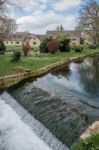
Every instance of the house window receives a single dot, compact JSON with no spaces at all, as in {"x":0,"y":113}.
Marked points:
{"x":34,"y":38}
{"x":74,"y":39}
{"x":17,"y":42}
{"x":6,"y":42}
{"x":11,"y":42}
{"x":34,"y":43}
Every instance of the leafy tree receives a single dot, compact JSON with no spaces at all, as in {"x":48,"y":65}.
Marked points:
{"x":43,"y":46}
{"x":65,"y":45}
{"x":2,"y":47}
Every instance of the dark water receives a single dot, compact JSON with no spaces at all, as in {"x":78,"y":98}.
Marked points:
{"x":65,"y":101}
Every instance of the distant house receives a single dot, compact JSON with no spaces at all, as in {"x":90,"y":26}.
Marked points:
{"x":73,"y":35}
{"x":20,"y":38}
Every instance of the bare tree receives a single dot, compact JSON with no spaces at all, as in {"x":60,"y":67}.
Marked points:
{"x":89,"y":19}
{"x":8,"y":27}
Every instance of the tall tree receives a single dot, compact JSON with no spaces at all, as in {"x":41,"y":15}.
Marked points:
{"x":89,"y":19}
{"x":8,"y":25}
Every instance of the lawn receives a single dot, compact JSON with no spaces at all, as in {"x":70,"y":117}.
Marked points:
{"x":13,"y":47}
{"x":18,"y":48}
{"x":35,"y":62}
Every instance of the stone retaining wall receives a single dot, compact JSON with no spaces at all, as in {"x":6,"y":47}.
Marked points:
{"x":92,"y":130}
{"x":10,"y":80}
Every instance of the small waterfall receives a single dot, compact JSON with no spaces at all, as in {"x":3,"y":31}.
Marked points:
{"x":15,"y":134}
{"x":34,"y":124}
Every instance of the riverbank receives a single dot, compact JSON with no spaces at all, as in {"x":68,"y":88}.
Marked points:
{"x":89,"y":139}
{"x":37,"y":67}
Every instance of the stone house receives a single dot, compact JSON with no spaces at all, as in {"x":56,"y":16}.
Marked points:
{"x":20,"y":38}
{"x":73,"y":35}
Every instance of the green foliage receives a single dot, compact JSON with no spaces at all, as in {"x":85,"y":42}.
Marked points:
{"x":2,"y":47}
{"x":91,"y":143}
{"x":94,"y":46}
{"x":2,"y":37}
{"x":16,"y":56}
{"x":65,"y":45}
{"x":81,"y":41}
{"x":78,"y":48}
{"x":60,"y":37}
{"x":43,"y":46}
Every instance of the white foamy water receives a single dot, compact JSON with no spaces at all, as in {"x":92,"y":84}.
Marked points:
{"x":15,"y":134}
{"x":33,"y":127}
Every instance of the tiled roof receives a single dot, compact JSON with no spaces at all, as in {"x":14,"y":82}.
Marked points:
{"x":71,"y":33}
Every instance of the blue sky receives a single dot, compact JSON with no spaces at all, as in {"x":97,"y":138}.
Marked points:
{"x":38,"y":16}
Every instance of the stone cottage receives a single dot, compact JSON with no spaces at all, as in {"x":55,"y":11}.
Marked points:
{"x":20,"y":38}
{"x":73,"y":35}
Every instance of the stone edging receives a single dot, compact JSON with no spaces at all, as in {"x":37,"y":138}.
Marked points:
{"x":92,"y":130}
{"x":10,"y":80}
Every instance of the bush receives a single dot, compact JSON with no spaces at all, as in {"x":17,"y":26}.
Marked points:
{"x":91,"y":143}
{"x":2,"y":47}
{"x":78,"y":49}
{"x":16,"y":56}
{"x":26,"y":48}
{"x":65,"y":45}
{"x":93,"y":46}
{"x":43,"y":46}
{"x":53,"y":46}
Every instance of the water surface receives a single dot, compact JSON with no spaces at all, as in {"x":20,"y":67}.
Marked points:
{"x":65,"y":101}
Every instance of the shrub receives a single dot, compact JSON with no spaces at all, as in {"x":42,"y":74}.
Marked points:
{"x":65,"y":45}
{"x":82,"y":41}
{"x":91,"y":143}
{"x":2,"y":47}
{"x":26,"y":48}
{"x":53,"y":46}
{"x":93,"y":46}
{"x":78,"y":48}
{"x":16,"y":56}
{"x":43,"y":46}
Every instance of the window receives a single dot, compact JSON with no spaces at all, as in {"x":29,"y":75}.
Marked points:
{"x":6,"y":42}
{"x":17,"y":42}
{"x":34,"y":43}
{"x":34,"y":38}
{"x":74,"y":39}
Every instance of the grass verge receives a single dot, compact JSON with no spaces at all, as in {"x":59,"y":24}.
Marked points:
{"x":8,"y":67}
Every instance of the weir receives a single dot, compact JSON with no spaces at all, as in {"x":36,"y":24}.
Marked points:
{"x":37,"y":140}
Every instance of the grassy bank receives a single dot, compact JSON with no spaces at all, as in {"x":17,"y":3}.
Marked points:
{"x":18,"y":48}
{"x":35,"y":62}
{"x":91,"y":143}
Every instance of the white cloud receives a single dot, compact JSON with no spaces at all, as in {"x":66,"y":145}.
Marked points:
{"x":42,"y":15}
{"x":61,"y":5}
{"x":40,"y":21}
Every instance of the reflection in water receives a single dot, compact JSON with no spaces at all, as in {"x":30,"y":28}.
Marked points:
{"x":81,"y":77}
{"x":89,"y":76}
{"x":54,"y":101}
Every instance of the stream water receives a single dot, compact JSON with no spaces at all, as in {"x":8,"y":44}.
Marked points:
{"x":66,"y":101}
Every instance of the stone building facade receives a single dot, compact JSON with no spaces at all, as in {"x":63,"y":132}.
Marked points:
{"x":20,"y":38}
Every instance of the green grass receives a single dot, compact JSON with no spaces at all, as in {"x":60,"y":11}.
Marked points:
{"x":18,"y":48}
{"x":91,"y":143}
{"x":13,"y":47}
{"x":8,"y":67}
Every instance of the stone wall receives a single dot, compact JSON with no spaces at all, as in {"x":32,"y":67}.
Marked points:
{"x":10,"y":80}
{"x":92,"y":130}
